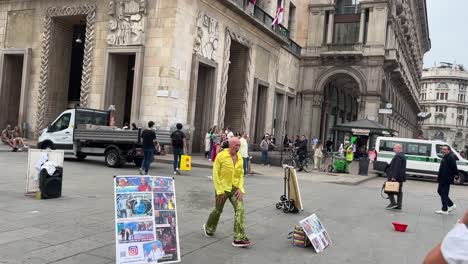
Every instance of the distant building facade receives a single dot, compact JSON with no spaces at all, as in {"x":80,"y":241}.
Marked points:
{"x":443,"y":94}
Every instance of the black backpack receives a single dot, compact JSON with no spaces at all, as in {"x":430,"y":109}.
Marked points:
{"x":177,"y":138}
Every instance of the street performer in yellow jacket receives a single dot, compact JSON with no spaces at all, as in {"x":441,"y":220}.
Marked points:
{"x":228,"y":180}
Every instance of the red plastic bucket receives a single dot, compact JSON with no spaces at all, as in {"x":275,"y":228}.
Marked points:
{"x":400,"y":227}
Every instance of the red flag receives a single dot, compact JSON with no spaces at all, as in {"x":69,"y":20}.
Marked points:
{"x":251,"y":6}
{"x":279,"y":14}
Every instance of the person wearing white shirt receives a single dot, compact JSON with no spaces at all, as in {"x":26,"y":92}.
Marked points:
{"x":155,"y":253}
{"x":454,"y":247}
{"x":244,"y":151}
{"x":229,"y":133}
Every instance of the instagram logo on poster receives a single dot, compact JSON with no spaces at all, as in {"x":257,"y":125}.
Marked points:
{"x":133,"y":251}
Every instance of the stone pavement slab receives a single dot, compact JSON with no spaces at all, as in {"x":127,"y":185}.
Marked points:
{"x":79,"y":227}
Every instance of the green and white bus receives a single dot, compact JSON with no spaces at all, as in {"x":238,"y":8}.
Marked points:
{"x":422,"y":157}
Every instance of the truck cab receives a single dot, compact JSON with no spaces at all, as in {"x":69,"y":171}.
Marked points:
{"x":60,"y":133}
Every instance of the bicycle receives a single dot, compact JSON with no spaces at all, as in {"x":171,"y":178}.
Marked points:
{"x":294,"y":160}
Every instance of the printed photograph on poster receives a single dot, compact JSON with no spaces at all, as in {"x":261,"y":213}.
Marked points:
{"x":135,"y":231}
{"x":41,"y":159}
{"x":316,"y":232}
{"x":167,"y":218}
{"x":162,"y":184}
{"x":168,"y":238}
{"x":153,"y":251}
{"x":134,"y":205}
{"x":132,"y":184}
{"x":131,"y":253}
{"x":164,"y":201}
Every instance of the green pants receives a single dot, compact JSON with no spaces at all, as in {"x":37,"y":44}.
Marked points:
{"x":348,"y":165}
{"x":239,"y":225}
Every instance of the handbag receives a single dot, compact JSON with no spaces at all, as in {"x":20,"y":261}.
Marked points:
{"x":391,"y":187}
{"x":299,"y":237}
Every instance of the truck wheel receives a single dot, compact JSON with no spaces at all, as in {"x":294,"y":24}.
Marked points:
{"x":138,"y":162}
{"x":113,"y":158}
{"x":81,"y":156}
{"x":460,"y":179}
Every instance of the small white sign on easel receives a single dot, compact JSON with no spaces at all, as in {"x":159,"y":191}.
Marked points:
{"x":37,"y":158}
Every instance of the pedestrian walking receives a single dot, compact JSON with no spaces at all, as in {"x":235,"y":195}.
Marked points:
{"x":244,"y":151}
{"x":349,"y":156}
{"x":207,"y":143}
{"x":264,"y":146}
{"x":216,"y":142}
{"x":149,"y":140}
{"x":179,"y":146}
{"x":397,"y":172}
{"x":453,"y":248}
{"x":447,"y":172}
{"x":318,"y":155}
{"x":329,"y":145}
{"x":302,"y":151}
{"x":228,"y":181}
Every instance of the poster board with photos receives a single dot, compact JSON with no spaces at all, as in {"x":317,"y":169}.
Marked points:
{"x":294,"y":191}
{"x":36,"y":158}
{"x":316,"y":233}
{"x":146,"y":220}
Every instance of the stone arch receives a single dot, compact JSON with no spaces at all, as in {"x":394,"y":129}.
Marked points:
{"x":329,"y":74}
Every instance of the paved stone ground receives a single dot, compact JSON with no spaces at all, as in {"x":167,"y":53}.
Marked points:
{"x":79,"y":227}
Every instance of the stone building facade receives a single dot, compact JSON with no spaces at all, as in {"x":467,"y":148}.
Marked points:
{"x":443,"y":94}
{"x":359,"y":57}
{"x":213,"y":62}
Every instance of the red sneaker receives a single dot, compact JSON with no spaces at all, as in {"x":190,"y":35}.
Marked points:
{"x":242,"y":243}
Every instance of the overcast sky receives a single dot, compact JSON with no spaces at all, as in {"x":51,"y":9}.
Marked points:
{"x":448,"y":32}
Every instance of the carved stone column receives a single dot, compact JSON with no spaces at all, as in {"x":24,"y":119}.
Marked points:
{"x":331,"y":25}
{"x":362,"y":25}
{"x":229,"y":36}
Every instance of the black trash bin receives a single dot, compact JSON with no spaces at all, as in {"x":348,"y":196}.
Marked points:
{"x":363,"y":166}
{"x":51,"y":185}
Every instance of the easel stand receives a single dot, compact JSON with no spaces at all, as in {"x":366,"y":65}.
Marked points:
{"x":286,"y":203}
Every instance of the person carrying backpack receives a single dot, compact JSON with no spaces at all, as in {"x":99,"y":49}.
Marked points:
{"x":179,"y":146}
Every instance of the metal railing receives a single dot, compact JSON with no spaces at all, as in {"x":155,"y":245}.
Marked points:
{"x":264,"y":18}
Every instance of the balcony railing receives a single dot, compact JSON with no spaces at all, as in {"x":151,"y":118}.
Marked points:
{"x":264,"y":18}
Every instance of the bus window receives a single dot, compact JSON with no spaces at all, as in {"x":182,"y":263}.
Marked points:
{"x":388,"y":145}
{"x":418,"y":149}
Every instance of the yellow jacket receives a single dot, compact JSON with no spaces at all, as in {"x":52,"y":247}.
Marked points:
{"x":226,"y":174}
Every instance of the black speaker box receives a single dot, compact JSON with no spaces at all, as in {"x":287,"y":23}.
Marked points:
{"x":51,"y":185}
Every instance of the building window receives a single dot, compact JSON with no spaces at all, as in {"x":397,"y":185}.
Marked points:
{"x":461,"y":98}
{"x":442,"y":96}
{"x":460,"y":111}
{"x":346,"y":7}
{"x":292,"y":20}
{"x":442,"y":86}
{"x":441,"y":109}
{"x":462,"y":87}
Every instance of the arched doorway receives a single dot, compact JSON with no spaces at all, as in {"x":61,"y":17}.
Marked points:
{"x":340,"y":104}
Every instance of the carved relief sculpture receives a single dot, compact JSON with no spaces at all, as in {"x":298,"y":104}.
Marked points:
{"x":127,"y":23}
{"x":206,"y":41}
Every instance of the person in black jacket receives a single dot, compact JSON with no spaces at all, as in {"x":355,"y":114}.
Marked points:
{"x":397,"y":172}
{"x":302,"y":150}
{"x":447,"y":172}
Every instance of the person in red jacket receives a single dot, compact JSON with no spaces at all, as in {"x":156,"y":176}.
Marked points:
{"x":144,"y":187}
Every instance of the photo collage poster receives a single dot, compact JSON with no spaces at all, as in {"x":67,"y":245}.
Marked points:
{"x":146,"y":220}
{"x":316,"y":233}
